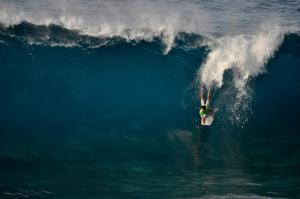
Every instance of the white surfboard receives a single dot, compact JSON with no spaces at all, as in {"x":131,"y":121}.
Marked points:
{"x":208,"y":120}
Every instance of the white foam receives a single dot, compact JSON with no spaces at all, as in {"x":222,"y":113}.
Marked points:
{"x":134,"y":20}
{"x":245,"y":54}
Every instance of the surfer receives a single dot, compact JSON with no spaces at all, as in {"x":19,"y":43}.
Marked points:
{"x":205,"y":110}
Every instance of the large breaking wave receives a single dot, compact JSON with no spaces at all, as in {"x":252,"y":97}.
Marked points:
{"x":242,"y":46}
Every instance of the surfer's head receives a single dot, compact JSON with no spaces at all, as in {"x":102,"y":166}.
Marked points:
{"x":201,"y":110}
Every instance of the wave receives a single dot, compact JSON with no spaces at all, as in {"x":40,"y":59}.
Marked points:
{"x":245,"y":55}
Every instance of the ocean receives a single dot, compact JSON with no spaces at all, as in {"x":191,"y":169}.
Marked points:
{"x":100,"y":99}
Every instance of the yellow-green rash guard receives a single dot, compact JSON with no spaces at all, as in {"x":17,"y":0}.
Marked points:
{"x":206,"y":110}
{"x":201,"y":113}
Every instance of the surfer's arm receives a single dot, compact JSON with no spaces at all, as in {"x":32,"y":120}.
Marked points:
{"x":202,"y":96}
{"x":209,"y":95}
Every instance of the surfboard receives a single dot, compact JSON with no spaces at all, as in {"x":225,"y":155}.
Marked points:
{"x":209,"y":119}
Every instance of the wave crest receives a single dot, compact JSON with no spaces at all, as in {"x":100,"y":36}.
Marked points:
{"x":128,"y":20}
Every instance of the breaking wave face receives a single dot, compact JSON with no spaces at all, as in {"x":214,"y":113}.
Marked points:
{"x":240,"y":44}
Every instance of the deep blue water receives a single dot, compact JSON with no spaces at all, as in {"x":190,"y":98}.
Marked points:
{"x":121,"y":121}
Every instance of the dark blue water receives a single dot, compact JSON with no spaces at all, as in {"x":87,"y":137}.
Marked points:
{"x":121,"y":121}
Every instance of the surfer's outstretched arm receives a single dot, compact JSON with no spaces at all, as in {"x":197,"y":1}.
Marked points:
{"x":209,"y":95}
{"x":208,"y":98}
{"x":202,"y":96}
